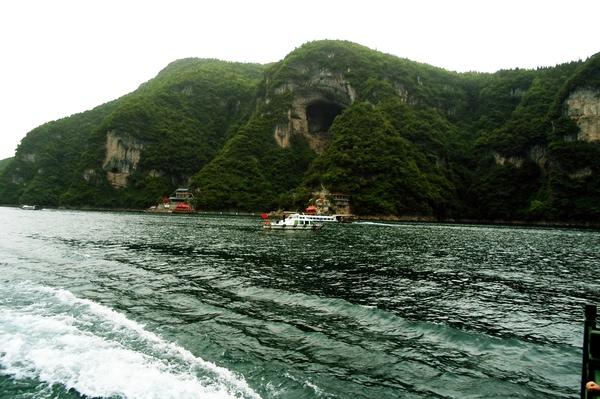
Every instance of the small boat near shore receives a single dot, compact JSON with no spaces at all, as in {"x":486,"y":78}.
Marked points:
{"x":183,"y":207}
{"x":31,"y":207}
{"x":295,"y":221}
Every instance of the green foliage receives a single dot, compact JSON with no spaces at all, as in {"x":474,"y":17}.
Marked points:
{"x":4,"y":163}
{"x":252,"y":172}
{"x":186,"y":113}
{"x":574,"y":180}
{"x":372,"y":74}
{"x":587,"y":76}
{"x":382,"y":170}
{"x":503,"y":192}
{"x":529,"y":123}
{"x":182,"y":118}
{"x":49,"y":158}
{"x":234,"y":179}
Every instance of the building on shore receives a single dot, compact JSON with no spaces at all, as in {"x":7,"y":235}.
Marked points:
{"x":324,"y":202}
{"x":181,"y":201}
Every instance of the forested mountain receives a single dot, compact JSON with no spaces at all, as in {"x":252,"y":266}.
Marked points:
{"x":129,"y":152}
{"x":401,"y":138}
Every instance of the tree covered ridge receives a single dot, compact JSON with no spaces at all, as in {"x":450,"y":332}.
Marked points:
{"x":182,"y":118}
{"x":415,"y":140}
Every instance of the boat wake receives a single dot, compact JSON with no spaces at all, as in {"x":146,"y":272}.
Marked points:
{"x":55,"y":337}
{"x":380,"y":224}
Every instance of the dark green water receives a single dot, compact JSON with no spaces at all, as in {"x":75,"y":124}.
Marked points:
{"x":147,"y":306}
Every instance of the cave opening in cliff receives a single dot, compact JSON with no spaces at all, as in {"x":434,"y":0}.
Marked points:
{"x":320,"y":115}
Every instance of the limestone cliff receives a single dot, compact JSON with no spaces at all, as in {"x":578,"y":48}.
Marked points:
{"x":500,"y":160}
{"x":123,"y":154}
{"x":318,"y":98}
{"x":583,"y":105}
{"x":537,"y":154}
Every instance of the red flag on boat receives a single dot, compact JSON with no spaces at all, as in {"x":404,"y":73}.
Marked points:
{"x":264,"y":215}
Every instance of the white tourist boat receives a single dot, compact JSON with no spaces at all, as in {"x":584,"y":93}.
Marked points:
{"x":295,"y":221}
{"x":320,"y":218}
{"x":329,"y":218}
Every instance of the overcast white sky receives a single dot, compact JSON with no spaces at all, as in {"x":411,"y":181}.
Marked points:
{"x":59,"y":57}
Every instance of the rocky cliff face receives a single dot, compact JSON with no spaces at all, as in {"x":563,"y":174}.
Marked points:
{"x":583,"y":106}
{"x":123,"y":154}
{"x":500,"y":160}
{"x":537,"y":154}
{"x":317,"y":100}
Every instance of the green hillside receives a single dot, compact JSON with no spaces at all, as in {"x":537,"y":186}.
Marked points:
{"x":400,"y":137}
{"x":181,"y":118}
{"x":50,"y":158}
{"x":4,"y":163}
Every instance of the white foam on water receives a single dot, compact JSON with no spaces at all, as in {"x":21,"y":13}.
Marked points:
{"x":40,"y":341}
{"x":381,"y":224}
{"x":306,"y":383}
{"x":314,"y":387}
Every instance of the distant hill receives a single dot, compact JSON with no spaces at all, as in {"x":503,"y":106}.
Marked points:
{"x":400,"y":137}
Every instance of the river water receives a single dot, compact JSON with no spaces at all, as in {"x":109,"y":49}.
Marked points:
{"x":126,"y":305}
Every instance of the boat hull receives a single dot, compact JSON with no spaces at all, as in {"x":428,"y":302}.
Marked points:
{"x":314,"y":226}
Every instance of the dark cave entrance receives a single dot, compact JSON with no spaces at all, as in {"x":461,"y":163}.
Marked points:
{"x":320,"y":115}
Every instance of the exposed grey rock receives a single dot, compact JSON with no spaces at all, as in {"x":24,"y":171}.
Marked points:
{"x":316,"y":101}
{"x":583,"y":106}
{"x":123,"y":153}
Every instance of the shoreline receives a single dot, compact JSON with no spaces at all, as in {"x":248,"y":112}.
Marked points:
{"x":380,"y":218}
